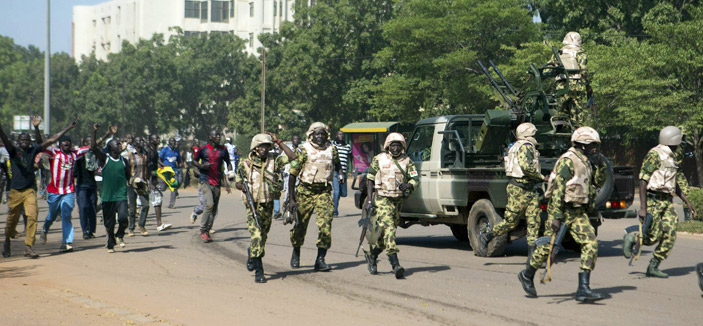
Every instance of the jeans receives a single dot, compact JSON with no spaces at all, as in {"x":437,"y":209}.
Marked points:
{"x":340,"y":190}
{"x":61,"y":204}
{"x":110,"y":209}
{"x":276,"y":206}
{"x":132,"y":205}
{"x":87,"y":208}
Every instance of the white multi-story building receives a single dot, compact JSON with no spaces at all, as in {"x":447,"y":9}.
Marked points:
{"x":103,"y":27}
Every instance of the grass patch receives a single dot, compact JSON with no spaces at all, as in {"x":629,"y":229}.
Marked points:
{"x":691,"y":226}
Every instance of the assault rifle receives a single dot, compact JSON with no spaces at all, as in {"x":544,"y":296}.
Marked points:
{"x":250,"y":199}
{"x":642,"y":231}
{"x":554,"y":245}
{"x":365,"y":223}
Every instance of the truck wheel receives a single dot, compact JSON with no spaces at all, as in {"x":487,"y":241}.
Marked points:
{"x":608,"y":186}
{"x":481,"y":217}
{"x":460,"y":232}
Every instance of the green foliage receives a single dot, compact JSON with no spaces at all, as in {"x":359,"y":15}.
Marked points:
{"x":696,"y":199}
{"x":690,"y":226}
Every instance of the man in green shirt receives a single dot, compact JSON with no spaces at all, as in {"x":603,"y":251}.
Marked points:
{"x":115,"y":173}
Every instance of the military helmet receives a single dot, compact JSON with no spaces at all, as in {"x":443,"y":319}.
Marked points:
{"x":670,"y":136}
{"x":394,"y":137}
{"x":316,"y":126}
{"x":525,"y":130}
{"x":260,"y":139}
{"x":585,"y":135}
{"x":573,"y":39}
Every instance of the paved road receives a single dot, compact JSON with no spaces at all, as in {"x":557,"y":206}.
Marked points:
{"x":172,"y":278}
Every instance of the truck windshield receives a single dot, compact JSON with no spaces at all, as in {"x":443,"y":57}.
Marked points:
{"x":420,"y":146}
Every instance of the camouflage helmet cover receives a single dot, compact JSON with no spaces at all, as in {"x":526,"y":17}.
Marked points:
{"x":670,"y":136}
{"x":260,"y":139}
{"x":585,"y":135}
{"x":394,"y":137}
{"x":314,"y":127}
{"x":525,"y":130}
{"x":572,"y":39}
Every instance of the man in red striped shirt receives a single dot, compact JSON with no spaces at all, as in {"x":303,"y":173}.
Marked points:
{"x":61,"y":197}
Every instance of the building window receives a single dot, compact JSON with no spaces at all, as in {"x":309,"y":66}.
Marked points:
{"x":203,"y":11}
{"x":251,"y":40}
{"x":192,"y":9}
{"x":220,"y":12}
{"x":280,"y":9}
{"x":275,"y":6}
{"x":231,"y":8}
{"x":251,"y":9}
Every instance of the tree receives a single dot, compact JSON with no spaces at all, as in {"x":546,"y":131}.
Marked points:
{"x":433,"y":51}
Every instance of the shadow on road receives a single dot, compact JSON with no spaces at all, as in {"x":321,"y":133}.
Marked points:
{"x":145,"y":249}
{"x":607,"y":294}
{"x":434,"y":242}
{"x":679,"y":271}
{"x":16,"y":271}
{"x":428,"y":269}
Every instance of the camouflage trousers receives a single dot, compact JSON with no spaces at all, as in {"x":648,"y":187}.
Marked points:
{"x":663,"y":228}
{"x":316,"y":199}
{"x":574,"y":103}
{"x":521,"y":202}
{"x":581,"y":230}
{"x":259,"y":235}
{"x":387,"y":218}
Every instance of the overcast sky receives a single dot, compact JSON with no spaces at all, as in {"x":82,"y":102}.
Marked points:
{"x":25,"y":22}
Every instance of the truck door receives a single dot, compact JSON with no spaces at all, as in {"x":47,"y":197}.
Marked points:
{"x":423,"y":200}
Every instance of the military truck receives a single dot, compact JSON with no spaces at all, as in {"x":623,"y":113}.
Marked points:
{"x":462,"y":171}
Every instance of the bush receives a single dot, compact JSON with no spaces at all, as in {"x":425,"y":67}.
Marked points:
{"x":696,"y":198}
{"x":690,"y":227}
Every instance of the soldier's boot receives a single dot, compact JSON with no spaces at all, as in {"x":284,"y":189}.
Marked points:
{"x":653,"y":269}
{"x":584,"y":292}
{"x":486,"y":238}
{"x":527,"y":277}
{"x":250,"y":261}
{"x":28,"y":252}
{"x":530,"y":252}
{"x":628,"y":243}
{"x":295,"y":258}
{"x":258,"y":270}
{"x":372,"y":259}
{"x":398,"y":270}
{"x":320,"y":264}
{"x":699,"y":272}
{"x":6,"y":248}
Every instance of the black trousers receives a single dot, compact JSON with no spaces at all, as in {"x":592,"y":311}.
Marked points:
{"x":113,"y":210}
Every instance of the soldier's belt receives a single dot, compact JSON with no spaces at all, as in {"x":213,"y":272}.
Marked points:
{"x":519,"y":184}
{"x":659,"y":195}
{"x":316,"y":187}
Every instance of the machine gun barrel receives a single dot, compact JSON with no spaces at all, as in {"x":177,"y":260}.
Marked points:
{"x":495,"y":85}
{"x":505,"y":81}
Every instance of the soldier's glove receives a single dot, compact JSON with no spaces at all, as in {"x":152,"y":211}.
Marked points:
{"x":405,"y":186}
{"x":555,"y":225}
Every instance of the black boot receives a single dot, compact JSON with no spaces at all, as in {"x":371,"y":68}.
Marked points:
{"x":371,"y":260}
{"x":526,"y":277}
{"x":486,"y":238}
{"x":250,"y":261}
{"x":530,"y":252}
{"x":259,"y":270}
{"x":6,"y":248}
{"x":320,"y":264}
{"x":295,"y":258}
{"x":398,"y":270}
{"x":584,"y":292}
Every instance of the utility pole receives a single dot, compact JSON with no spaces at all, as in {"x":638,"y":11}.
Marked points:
{"x":263,"y":87}
{"x":47,"y":69}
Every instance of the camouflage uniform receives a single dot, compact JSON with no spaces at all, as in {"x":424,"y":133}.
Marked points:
{"x":576,"y":218}
{"x":573,"y":102}
{"x":523,"y":197}
{"x":313,"y":197}
{"x":388,"y":208}
{"x":264,"y":202}
{"x":660,"y":205}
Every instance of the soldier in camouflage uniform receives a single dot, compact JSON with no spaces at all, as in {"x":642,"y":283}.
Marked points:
{"x":522,"y":165}
{"x":262,"y":171}
{"x":660,"y":179}
{"x":573,"y":102}
{"x":315,"y":165}
{"x":393,"y":175}
{"x":571,"y":191}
